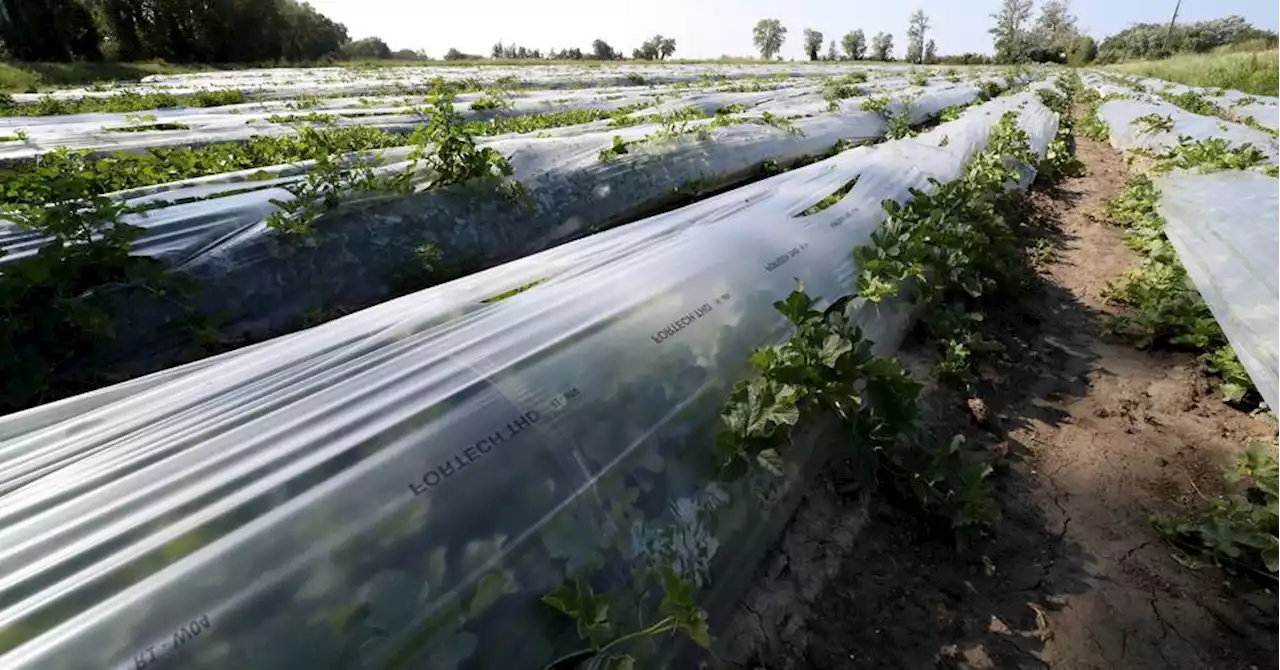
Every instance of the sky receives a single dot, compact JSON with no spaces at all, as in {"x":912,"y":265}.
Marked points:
{"x":711,"y":28}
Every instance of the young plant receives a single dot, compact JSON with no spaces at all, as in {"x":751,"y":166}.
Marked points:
{"x":678,"y":613}
{"x":1153,"y":123}
{"x":1195,"y":103}
{"x":1091,"y":124}
{"x":491,"y":100}
{"x":1209,"y":155}
{"x":1238,"y":530}
{"x":618,"y":148}
{"x":988,"y":90}
{"x":444,"y":154}
{"x":310,"y":117}
{"x":781,"y":123}
{"x":1166,"y":309}
{"x":55,"y":308}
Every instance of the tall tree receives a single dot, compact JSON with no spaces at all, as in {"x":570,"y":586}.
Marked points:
{"x":222,"y":31}
{"x":49,"y":30}
{"x":666,"y":47}
{"x":882,"y":47}
{"x":812,"y":42}
{"x":855,"y":45}
{"x":768,"y":36}
{"x":930,"y":52}
{"x":1012,"y":40}
{"x":1055,"y":29}
{"x":655,"y":48}
{"x":919,"y":24}
{"x":600,"y":50}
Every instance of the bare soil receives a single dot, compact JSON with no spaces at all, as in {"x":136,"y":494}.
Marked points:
{"x":1094,"y":436}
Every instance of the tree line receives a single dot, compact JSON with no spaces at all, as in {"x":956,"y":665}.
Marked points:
{"x":655,"y":48}
{"x":1055,"y":37}
{"x":227,"y":31}
{"x":1158,"y":40}
{"x":769,"y":35}
{"x":1052,"y":37}
{"x":255,"y":31}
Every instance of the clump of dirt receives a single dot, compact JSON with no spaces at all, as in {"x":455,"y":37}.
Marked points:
{"x":1094,"y":437}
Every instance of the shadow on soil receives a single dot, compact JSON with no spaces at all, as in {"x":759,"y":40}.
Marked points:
{"x":856,"y":582}
{"x":907,"y":597}
{"x":1088,"y":438}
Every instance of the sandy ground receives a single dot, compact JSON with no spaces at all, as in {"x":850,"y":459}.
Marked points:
{"x":1093,"y":437}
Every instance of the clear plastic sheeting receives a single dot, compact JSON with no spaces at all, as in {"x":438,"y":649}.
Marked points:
{"x":1264,"y":109}
{"x":255,"y":281}
{"x":537,"y":160}
{"x":1119,"y":115}
{"x":106,"y":132}
{"x":400,"y":487}
{"x":1223,"y":226}
{"x":280,"y":83}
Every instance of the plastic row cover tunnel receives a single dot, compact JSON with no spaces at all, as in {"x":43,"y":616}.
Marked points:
{"x":255,"y":281}
{"x":1223,"y":226}
{"x":1128,"y":133}
{"x":278,"y":83}
{"x":399,"y":487}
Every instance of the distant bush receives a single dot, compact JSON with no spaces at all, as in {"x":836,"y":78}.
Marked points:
{"x":454,"y":54}
{"x":369,"y":48}
{"x":965,"y":59}
{"x":1148,"y":41}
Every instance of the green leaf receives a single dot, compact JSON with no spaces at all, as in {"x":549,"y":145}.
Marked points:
{"x":1271,"y":559}
{"x":1232,"y":392}
{"x":588,"y":611}
{"x":770,"y":460}
{"x":620,"y":662}
{"x":833,"y":347}
{"x":797,"y":306}
{"x":678,"y":604}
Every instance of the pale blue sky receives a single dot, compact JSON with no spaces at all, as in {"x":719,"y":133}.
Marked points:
{"x":709,"y":28}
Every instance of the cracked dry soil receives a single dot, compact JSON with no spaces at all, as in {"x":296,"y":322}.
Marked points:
{"x":1093,"y":436}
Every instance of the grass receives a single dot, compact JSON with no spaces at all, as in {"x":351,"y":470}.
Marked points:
{"x":36,"y":77}
{"x":1257,"y":73}
{"x":125,"y":101}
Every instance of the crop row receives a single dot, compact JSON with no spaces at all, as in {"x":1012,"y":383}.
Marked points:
{"x":1200,"y":209}
{"x":498,"y":466}
{"x":267,"y":249}
{"x":1167,"y":307}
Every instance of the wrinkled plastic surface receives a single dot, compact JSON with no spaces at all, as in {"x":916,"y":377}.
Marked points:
{"x":1223,"y":226}
{"x":280,"y":83}
{"x":399,"y":487}
{"x":254,"y":281}
{"x":1264,"y":109}
{"x":1119,"y":116}
{"x":557,"y":161}
{"x":396,"y":108}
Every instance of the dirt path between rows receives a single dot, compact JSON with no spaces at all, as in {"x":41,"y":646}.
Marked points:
{"x":1097,"y":436}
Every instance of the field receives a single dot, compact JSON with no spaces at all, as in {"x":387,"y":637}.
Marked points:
{"x":249,"y":160}
{"x":614,"y":366}
{"x":1253,"y":72}
{"x":42,"y":77}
